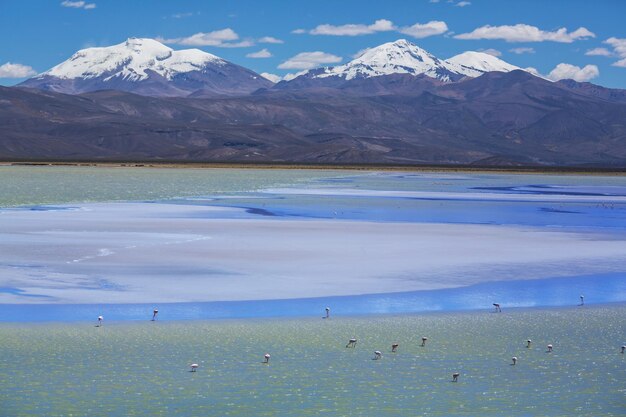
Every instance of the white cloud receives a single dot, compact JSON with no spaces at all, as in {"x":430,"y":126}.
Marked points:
{"x":463,"y":3}
{"x":269,"y":39}
{"x":308,"y":60}
{"x":263,"y":53}
{"x":241,"y":44}
{"x":533,"y":71}
{"x":619,"y":45}
{"x":224,"y":38}
{"x":520,"y":51}
{"x":568,"y":71}
{"x":78,"y":4}
{"x":10,"y":70}
{"x":598,"y":52}
{"x":272,"y":77}
{"x":419,"y":30}
{"x":619,"y":49}
{"x":182,"y":15}
{"x":526,"y":33}
{"x":491,"y":51}
{"x":381,"y":25}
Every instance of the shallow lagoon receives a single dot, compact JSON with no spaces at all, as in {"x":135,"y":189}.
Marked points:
{"x":233,"y":243}
{"x":141,"y":368}
{"x":95,"y":235}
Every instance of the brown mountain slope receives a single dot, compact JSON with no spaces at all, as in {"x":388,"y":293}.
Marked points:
{"x":512,"y":117}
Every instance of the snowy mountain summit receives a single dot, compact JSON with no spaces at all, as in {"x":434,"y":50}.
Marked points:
{"x":404,"y":57}
{"x":146,"y":66}
{"x":399,"y":57}
{"x":132,"y":60}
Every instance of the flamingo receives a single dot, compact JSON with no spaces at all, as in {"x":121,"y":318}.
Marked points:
{"x":528,"y":342}
{"x":549,"y":348}
{"x":100,"y":319}
{"x":582,"y":300}
{"x":267,"y":358}
{"x":394,"y":347}
{"x":351,"y":343}
{"x":497,"y":306}
{"x":623,"y":348}
{"x":377,"y":355}
{"x":514,"y":359}
{"x":424,"y":339}
{"x":455,"y":377}
{"x":194,"y":366}
{"x":327,"y":313}
{"x":154,"y":314}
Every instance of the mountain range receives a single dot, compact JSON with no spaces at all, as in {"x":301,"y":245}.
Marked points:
{"x":402,"y":57}
{"x":393,"y":104}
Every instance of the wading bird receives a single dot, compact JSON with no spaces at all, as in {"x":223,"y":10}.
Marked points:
{"x":267,"y":358}
{"x":377,"y":355}
{"x":424,"y":339}
{"x":351,"y":343}
{"x":455,"y":377}
{"x":194,"y":366}
{"x":394,"y":347}
{"x":154,"y":314}
{"x":497,"y":306}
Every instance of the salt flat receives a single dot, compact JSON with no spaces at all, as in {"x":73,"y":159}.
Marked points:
{"x":158,"y":252}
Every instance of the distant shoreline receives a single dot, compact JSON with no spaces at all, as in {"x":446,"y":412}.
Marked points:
{"x":347,"y":167}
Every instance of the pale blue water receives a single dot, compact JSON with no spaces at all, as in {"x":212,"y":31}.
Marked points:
{"x":600,"y":288}
{"x":447,"y":210}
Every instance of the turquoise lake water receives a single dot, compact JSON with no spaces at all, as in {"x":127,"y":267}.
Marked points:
{"x":142,"y":368}
{"x":44,"y":185}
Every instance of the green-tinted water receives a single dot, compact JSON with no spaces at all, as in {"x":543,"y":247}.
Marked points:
{"x":27,"y":185}
{"x":142,"y":368}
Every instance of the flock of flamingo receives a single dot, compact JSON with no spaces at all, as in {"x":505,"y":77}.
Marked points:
{"x":377,"y":353}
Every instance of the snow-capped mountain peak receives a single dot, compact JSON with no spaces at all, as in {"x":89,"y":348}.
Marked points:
{"x":146,"y":66}
{"x":477,"y":63}
{"x":399,"y":57}
{"x":404,"y":57}
{"x":130,"y":60}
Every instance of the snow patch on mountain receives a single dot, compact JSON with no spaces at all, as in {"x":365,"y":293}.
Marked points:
{"x":475,"y":64}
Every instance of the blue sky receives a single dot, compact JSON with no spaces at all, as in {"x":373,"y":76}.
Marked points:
{"x":562,"y":38}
